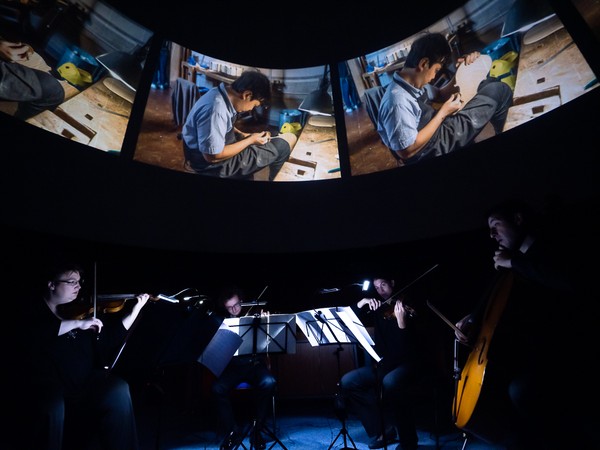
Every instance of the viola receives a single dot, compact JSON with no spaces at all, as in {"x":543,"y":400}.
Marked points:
{"x":387,"y":308}
{"x":105,"y":304}
{"x":112,"y":303}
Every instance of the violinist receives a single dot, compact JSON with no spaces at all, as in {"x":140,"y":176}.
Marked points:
{"x":72,"y":396}
{"x":251,"y":369}
{"x":379,"y":394}
{"x":541,"y":330}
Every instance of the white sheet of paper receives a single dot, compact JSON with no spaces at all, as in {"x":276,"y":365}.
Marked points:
{"x":331,"y":331}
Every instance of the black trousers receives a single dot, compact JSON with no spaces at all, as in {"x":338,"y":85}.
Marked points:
{"x":103,"y":411}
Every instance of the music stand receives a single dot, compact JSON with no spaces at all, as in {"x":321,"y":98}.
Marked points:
{"x":219,"y":351}
{"x":336,"y":325}
{"x":274,"y":333}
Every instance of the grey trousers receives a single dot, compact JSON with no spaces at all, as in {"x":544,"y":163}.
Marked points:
{"x":243,"y":165}
{"x":490,"y":104}
{"x":34,"y":90}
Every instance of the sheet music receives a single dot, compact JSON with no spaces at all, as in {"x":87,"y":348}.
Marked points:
{"x":220,"y":350}
{"x":335,"y":325}
{"x":275,"y":333}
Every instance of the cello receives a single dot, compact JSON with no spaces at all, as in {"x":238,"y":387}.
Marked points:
{"x":469,"y":385}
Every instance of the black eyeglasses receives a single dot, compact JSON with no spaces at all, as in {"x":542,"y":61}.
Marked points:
{"x":70,"y":282}
{"x":234,"y":306}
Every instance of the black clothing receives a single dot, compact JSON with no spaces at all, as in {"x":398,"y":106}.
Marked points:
{"x":390,"y":381}
{"x":250,"y":369}
{"x":73,"y":397}
{"x":538,"y":333}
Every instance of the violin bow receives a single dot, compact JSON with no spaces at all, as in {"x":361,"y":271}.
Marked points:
{"x":395,"y":294}
{"x":95,"y":283}
{"x":94,"y":290}
{"x":256,"y":302}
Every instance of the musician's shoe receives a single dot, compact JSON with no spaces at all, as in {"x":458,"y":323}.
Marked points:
{"x":233,"y":440}
{"x":383,"y":441}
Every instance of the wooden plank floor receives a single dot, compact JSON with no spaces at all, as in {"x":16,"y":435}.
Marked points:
{"x":366,"y":151}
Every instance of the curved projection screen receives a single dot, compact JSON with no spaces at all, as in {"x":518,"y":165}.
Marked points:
{"x":97,"y":58}
{"x":89,"y":59}
{"x":524,"y":44}
{"x":163,"y":131}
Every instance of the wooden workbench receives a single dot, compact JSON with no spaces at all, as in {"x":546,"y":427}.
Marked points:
{"x":551,"y":72}
{"x":95,"y":116}
{"x":314,"y":157}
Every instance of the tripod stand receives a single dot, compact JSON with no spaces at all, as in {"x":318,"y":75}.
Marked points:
{"x":336,"y":325}
{"x":339,"y":402}
{"x":264,"y":334}
{"x":340,"y":410}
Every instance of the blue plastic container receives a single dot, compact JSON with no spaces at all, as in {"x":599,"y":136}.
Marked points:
{"x":82,"y":60}
{"x":289,"y":116}
{"x":499,"y":48}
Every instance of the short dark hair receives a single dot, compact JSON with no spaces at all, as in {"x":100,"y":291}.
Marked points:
{"x":433,"y":46}
{"x":56,"y":268}
{"x":255,"y":82}
{"x":507,"y":210}
{"x":228,"y":292}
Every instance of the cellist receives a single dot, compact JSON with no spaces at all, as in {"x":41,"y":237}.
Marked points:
{"x":539,"y":333}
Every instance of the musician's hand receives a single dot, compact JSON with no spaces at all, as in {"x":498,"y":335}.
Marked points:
{"x":465,"y":325}
{"x":502,"y":258}
{"x":402,"y":312}
{"x":92,"y":323}
{"x":142,"y":299}
{"x":128,"y":320}
{"x":373,"y":303}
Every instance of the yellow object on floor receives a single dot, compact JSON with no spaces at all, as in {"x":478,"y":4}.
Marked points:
{"x":74,"y":75}
{"x":294,"y":127}
{"x":505,"y":68}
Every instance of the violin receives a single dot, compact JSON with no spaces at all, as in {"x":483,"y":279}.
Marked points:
{"x":113,"y":303}
{"x":105,"y":304}
{"x":387,"y":308}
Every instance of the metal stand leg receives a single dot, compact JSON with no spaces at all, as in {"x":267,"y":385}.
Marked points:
{"x":256,"y":442}
{"x":340,"y":410}
{"x":346,"y":436}
{"x":464,"y":442}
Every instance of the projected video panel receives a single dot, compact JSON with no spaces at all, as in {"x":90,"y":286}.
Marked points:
{"x":521,"y":44}
{"x":215,"y":118}
{"x":71,"y":68}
